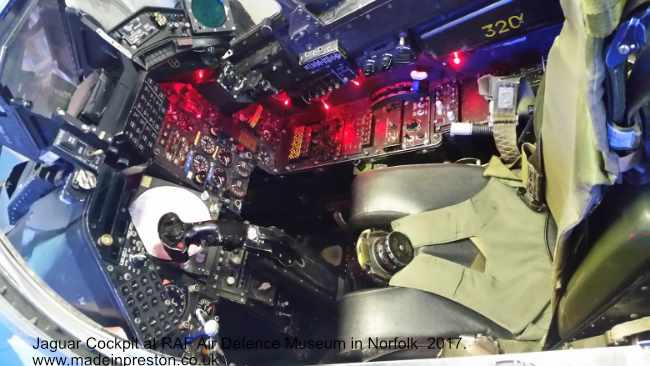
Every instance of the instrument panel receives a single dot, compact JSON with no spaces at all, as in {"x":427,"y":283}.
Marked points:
{"x":212,"y":152}
{"x":196,"y":145}
{"x":155,"y":35}
{"x":145,"y":118}
{"x":152,"y":312}
{"x":394,"y":120}
{"x":417,"y":119}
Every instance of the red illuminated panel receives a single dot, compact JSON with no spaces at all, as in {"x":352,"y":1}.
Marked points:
{"x":388,"y":125}
{"x":474,"y":107}
{"x":188,"y":116}
{"x":357,"y":133}
{"x":187,"y":107}
{"x":351,"y":141}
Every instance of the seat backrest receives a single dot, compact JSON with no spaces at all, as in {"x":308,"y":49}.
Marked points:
{"x":576,"y":156}
{"x":579,"y":164}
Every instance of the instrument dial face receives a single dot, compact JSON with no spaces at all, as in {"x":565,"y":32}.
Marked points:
{"x":177,"y":297}
{"x":209,"y":307}
{"x":218,"y":178}
{"x":200,"y":164}
{"x":238,"y":189}
{"x":225,"y":157}
{"x":208,"y":144}
{"x":200,"y":177}
{"x":244,"y":169}
{"x":264,"y":157}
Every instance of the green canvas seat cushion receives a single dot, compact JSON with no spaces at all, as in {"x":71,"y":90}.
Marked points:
{"x":515,"y":288}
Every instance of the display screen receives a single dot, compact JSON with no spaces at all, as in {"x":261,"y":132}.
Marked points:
{"x":210,"y":13}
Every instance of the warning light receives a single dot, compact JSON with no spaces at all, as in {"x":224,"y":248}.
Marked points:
{"x":356,"y":83}
{"x":200,"y":76}
{"x":284,"y":99}
{"x":457,"y":59}
{"x":287,"y":102}
{"x":325,"y":105}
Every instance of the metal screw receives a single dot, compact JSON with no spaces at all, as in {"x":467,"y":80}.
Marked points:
{"x":624,"y":49}
{"x":106,"y":240}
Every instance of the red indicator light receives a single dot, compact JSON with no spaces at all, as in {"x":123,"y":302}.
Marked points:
{"x":356,"y":83}
{"x":284,"y":99}
{"x":201,"y":76}
{"x":457,"y":60}
{"x":326,"y":106}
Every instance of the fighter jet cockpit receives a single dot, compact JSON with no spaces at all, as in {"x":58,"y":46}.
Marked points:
{"x":285,"y":182}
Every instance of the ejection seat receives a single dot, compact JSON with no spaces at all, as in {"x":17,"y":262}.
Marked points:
{"x":587,"y":295}
{"x":379,"y":198}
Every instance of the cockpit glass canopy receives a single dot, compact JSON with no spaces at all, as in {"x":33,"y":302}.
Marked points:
{"x":38,"y":59}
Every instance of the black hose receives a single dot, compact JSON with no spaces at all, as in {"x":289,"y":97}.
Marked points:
{"x":481,"y":130}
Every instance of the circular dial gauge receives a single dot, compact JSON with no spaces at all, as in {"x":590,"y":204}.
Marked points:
{"x":238,"y":189}
{"x":200,"y":164}
{"x":218,"y":178}
{"x":208,"y":144}
{"x":177,"y":298}
{"x":225,"y":157}
{"x":200,"y":177}
{"x":207,"y":305}
{"x":244,"y":169}
{"x":264,"y":156}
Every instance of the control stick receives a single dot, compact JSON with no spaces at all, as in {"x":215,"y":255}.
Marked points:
{"x":177,"y":236}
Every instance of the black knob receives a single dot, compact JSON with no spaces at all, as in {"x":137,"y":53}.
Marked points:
{"x":370,"y":67}
{"x":386,"y":61}
{"x":171,"y":229}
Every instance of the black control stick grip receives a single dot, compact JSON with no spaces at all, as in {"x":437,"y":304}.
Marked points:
{"x":177,"y":235}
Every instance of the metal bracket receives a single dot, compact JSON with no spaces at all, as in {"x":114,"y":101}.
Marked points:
{"x":630,"y":38}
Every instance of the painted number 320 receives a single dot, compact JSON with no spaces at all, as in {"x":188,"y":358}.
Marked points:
{"x":503,"y":26}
